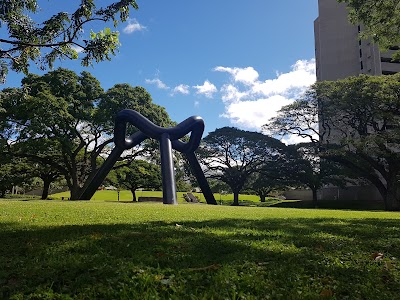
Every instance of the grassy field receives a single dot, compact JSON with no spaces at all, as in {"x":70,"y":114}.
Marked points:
{"x":125,"y":195}
{"x":227,"y":199}
{"x":110,"y":250}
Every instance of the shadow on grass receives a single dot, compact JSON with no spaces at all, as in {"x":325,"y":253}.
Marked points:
{"x":281,"y":258}
{"x":334,"y":204}
{"x":326,"y":204}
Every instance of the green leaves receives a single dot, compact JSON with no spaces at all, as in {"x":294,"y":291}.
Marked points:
{"x":45,"y":41}
{"x":103,"y":44}
{"x":357,"y":122}
{"x":381,"y":19}
{"x":66,"y":120}
{"x":137,"y":174}
{"x":232,"y":155}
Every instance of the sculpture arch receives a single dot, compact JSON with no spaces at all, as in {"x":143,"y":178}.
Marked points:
{"x":168,"y":139}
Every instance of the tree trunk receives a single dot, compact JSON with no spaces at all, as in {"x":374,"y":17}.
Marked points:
{"x":75,"y":192}
{"x":46,"y":187}
{"x":133,"y":195}
{"x":314,"y":197}
{"x":235,"y":199}
{"x":262,"y":197}
{"x":392,"y":196}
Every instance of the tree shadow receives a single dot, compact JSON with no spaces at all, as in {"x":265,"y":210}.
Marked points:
{"x":284,"y":253}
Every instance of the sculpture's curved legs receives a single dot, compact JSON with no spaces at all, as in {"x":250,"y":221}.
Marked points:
{"x":168,"y":138}
{"x":93,"y":183}
{"x":201,"y":179}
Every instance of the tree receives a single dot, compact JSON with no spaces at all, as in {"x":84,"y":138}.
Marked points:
{"x":381,"y":19}
{"x":13,"y":172}
{"x":307,"y":168}
{"x":139,"y":174}
{"x":58,"y":36}
{"x":359,"y":127}
{"x":218,"y":186}
{"x":65,"y":120}
{"x":48,"y":175}
{"x":263,"y":184}
{"x":232,"y":155}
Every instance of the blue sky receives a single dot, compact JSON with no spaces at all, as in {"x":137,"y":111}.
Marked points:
{"x":234,"y":63}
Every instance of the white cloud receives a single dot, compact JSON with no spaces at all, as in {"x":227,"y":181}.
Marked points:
{"x":250,"y":102}
{"x":295,"y":139}
{"x":246,"y":76}
{"x":133,"y":25}
{"x":253,"y":114}
{"x":181,"y":89}
{"x":207,"y":89}
{"x":158,"y":83}
{"x":231,"y":93}
{"x":292,"y":83}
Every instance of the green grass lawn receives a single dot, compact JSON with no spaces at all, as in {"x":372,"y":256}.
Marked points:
{"x":125,"y":195}
{"x":227,"y":199}
{"x":110,"y":250}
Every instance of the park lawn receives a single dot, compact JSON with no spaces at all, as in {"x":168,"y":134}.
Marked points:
{"x":112,"y":195}
{"x":126,"y":195}
{"x":111,"y":250}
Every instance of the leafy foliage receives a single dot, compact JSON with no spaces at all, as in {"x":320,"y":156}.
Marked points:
{"x":138,"y":174}
{"x":65,"y":121}
{"x":57,"y":36}
{"x":358,"y":127}
{"x":13,"y":172}
{"x":232,"y":155}
{"x":381,"y":19}
{"x":263,"y":184}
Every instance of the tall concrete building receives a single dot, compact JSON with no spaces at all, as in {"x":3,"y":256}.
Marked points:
{"x":339,"y":51}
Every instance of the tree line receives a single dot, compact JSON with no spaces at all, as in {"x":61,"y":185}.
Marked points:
{"x":60,"y":124}
{"x":63,"y":122}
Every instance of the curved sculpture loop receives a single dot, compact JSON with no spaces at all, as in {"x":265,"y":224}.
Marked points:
{"x":168,"y":138}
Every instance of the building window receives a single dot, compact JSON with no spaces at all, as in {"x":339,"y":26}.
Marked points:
{"x":389,"y":60}
{"x":388,"y":72}
{"x":361,"y":65}
{"x":360,"y":53}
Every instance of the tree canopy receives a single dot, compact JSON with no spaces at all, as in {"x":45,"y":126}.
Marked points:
{"x":13,"y":172}
{"x":359,"y":127}
{"x":65,"y":120}
{"x":381,"y":19}
{"x":36,"y":37}
{"x":232,"y":155}
{"x":138,"y":174}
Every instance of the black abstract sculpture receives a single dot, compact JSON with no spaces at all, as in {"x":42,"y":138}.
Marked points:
{"x":168,"y":138}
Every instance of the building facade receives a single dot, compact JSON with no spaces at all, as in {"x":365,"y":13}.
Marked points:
{"x":340,"y":53}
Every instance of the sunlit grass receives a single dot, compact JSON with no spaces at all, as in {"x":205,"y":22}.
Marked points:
{"x":110,"y":250}
{"x":124,"y":195}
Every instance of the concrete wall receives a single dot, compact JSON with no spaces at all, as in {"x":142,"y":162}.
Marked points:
{"x":352,"y":193}
{"x":336,"y":42}
{"x":339,"y":52}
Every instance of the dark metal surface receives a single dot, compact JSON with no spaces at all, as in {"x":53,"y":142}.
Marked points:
{"x":168,"y":138}
{"x":167,"y":170}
